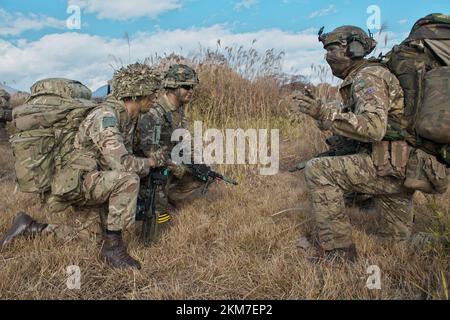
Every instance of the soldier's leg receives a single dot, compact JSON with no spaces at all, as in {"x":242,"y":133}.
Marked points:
{"x":119,"y":190}
{"x":396,"y":216}
{"x":83,"y":224}
{"x":328,"y":179}
{"x":73,"y":222}
{"x":184,"y":189}
{"x":161,"y":200}
{"x":175,"y":191}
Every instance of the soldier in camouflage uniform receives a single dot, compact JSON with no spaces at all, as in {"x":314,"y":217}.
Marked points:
{"x":102,"y":169}
{"x":155,"y":129}
{"x":372,"y":101}
{"x":5,"y":115}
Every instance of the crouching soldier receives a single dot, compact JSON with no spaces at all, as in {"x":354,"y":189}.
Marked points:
{"x":155,"y":130}
{"x":372,"y":104}
{"x":102,"y":169}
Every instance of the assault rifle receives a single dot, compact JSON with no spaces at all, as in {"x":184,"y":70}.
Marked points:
{"x":146,"y":204}
{"x":340,"y":146}
{"x":205,"y":174}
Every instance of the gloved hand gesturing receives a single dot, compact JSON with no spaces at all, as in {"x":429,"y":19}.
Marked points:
{"x":305,"y":103}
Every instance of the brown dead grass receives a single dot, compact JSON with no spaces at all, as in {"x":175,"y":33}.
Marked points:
{"x":224,"y":246}
{"x":228,"y":245}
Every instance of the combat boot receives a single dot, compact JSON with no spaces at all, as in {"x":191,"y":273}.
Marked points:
{"x":23,"y":225}
{"x":342,"y":254}
{"x":339,"y":255}
{"x":115,"y":254}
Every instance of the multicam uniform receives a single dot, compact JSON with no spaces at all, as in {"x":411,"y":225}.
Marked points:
{"x":155,"y":129}
{"x":5,"y":114}
{"x":100,"y":169}
{"x":108,"y":170}
{"x":372,"y":97}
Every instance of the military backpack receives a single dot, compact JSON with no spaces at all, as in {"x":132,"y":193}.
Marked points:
{"x":422,"y":65}
{"x":46,"y":127}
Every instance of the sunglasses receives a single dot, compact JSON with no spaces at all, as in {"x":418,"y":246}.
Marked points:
{"x":187,"y":87}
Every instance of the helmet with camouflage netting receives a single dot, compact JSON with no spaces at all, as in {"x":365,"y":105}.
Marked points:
{"x":359,"y":43}
{"x":135,"y":80}
{"x":180,"y":75}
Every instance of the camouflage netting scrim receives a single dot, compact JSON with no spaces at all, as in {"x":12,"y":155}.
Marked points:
{"x":135,"y":80}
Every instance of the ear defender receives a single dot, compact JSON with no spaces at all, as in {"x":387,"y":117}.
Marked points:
{"x":356,"y":49}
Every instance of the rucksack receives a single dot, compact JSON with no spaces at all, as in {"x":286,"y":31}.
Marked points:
{"x":422,"y":65}
{"x":46,"y":127}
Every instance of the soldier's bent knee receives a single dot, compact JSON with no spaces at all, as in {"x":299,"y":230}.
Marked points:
{"x":128,"y":181}
{"x":314,"y":168}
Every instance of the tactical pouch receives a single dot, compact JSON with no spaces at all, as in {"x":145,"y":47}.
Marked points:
{"x":390,"y":158}
{"x":67,"y":184}
{"x":433,"y":120}
{"x":34,"y":159}
{"x":425,"y":173}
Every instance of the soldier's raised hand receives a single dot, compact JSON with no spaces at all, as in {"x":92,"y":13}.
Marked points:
{"x":305,"y":103}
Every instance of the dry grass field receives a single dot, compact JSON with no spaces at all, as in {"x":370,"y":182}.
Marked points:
{"x":236,"y":242}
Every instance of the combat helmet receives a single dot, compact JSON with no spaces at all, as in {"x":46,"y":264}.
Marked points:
{"x":180,"y":75}
{"x":135,"y":80}
{"x":359,"y":43}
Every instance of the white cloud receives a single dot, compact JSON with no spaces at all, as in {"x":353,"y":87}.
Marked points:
{"x":245,"y":4}
{"x":125,"y":10}
{"x":323,"y":12}
{"x":87,"y":58}
{"x":13,"y":24}
{"x":402,"y":21}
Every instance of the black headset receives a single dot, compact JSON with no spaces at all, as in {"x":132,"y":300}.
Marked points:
{"x":355,"y":48}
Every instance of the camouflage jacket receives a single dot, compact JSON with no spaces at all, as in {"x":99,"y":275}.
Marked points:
{"x":104,"y":141}
{"x":372,"y":97}
{"x":155,"y":128}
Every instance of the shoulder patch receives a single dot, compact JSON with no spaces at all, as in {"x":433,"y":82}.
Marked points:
{"x":109,"y":122}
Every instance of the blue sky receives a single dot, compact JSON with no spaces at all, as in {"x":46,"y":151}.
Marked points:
{"x":35,"y":42}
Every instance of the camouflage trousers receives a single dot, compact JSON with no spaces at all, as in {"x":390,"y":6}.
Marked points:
{"x":118,"y":189}
{"x":109,"y":201}
{"x":176,"y":190}
{"x":82,"y":224}
{"x":329,"y":178}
